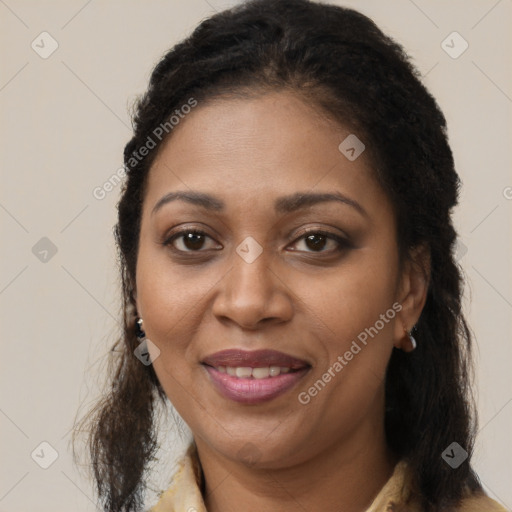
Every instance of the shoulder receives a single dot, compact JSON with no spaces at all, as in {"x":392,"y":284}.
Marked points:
{"x":397,"y":496}
{"x":480,"y":503}
{"x":184,"y":493}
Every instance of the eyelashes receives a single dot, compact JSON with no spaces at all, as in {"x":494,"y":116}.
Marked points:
{"x":192,"y":241}
{"x":309,"y":235}
{"x":197,"y":237}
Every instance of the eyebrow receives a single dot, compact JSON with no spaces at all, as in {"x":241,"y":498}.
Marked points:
{"x":285,"y":204}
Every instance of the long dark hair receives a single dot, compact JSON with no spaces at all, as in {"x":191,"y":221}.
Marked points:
{"x":338,"y":60}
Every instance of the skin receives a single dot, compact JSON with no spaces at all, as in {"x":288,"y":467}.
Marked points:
{"x":305,"y":300}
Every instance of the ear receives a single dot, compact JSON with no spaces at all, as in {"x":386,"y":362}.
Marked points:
{"x":412,"y":293}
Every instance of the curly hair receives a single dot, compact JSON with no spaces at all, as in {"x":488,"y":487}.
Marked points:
{"x":339,"y":61}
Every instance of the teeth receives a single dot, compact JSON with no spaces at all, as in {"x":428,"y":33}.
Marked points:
{"x":260,"y":373}
{"x":274,"y":371}
{"x":243,"y":372}
{"x":246,"y":372}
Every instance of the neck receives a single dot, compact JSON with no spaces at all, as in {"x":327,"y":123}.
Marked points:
{"x":344,"y":476}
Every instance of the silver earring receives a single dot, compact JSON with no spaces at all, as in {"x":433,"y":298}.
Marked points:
{"x":141,"y":335}
{"x":412,"y":340}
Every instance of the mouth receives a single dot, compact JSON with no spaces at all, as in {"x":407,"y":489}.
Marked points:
{"x":253,"y":377}
{"x":261,"y":372}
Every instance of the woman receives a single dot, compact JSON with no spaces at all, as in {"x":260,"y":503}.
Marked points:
{"x":288,"y":279}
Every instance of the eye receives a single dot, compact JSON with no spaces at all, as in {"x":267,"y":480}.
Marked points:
{"x":188,"y":240}
{"x":194,"y":240}
{"x":316,"y":240}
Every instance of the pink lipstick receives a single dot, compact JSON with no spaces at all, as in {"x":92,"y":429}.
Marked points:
{"x":253,"y":377}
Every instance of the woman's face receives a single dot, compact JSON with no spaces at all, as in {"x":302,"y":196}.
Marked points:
{"x":313,"y":279}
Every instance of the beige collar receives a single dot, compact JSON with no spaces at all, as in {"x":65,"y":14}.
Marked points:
{"x":184,"y":493}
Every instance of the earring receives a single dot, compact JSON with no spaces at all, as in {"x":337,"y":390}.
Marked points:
{"x":147,"y":351}
{"x":141,"y":335}
{"x":412,"y":340}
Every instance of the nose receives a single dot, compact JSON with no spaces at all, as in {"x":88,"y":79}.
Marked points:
{"x":254,"y":294}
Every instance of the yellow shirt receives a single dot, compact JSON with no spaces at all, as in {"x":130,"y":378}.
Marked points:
{"x":184,"y":494}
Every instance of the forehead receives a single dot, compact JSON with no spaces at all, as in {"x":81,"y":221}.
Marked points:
{"x":265,"y":146}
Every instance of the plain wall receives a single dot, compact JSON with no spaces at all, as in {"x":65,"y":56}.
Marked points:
{"x":64,"y":123}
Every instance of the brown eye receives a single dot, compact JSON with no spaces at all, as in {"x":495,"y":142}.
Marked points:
{"x":189,"y":240}
{"x":317,"y":241}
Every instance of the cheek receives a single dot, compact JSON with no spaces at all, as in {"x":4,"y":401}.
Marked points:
{"x":164,"y":291}
{"x":172,"y":300}
{"x":162,"y":297}
{"x":352,"y":298}
{"x":168,"y":304}
{"x":355,"y":315}
{"x":354,"y":308}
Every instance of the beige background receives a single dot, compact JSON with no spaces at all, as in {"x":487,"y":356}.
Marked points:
{"x":64,"y":122}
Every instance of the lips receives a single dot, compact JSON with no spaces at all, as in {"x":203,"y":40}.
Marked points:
{"x":254,"y":359}
{"x":254,"y":377}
